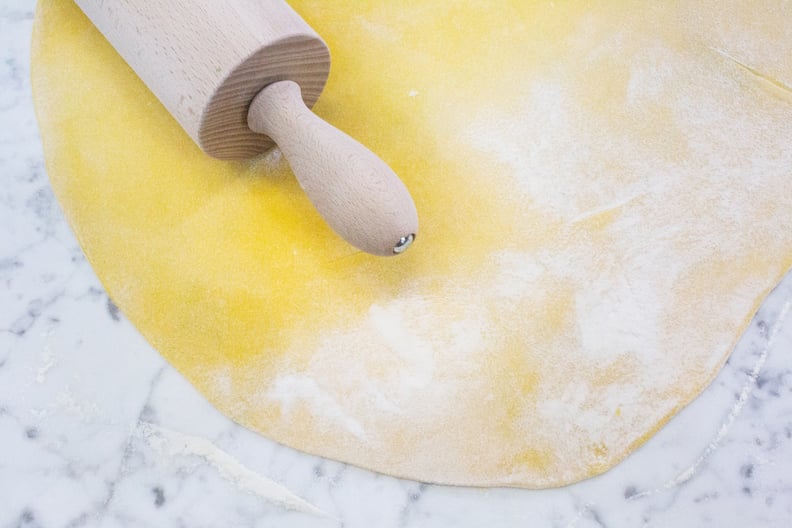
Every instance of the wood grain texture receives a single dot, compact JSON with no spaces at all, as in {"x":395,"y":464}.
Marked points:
{"x":206,"y":61}
{"x":356,"y":193}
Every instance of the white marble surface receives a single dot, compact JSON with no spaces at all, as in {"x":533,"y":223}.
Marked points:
{"x":91,"y":416}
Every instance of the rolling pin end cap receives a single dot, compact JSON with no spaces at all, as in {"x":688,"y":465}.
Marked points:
{"x":404,"y":244}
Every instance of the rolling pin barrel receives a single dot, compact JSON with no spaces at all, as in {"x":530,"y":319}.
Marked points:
{"x":221,"y":68}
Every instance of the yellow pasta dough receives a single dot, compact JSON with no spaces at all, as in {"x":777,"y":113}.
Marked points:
{"x":605,"y":192}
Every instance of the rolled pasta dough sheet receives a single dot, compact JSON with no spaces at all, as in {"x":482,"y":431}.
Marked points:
{"x":605,"y":197}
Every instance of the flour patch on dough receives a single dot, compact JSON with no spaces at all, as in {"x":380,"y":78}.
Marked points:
{"x":526,"y":142}
{"x":617,"y":317}
{"x":516,"y":274}
{"x":650,"y":74}
{"x":292,"y":389}
{"x":386,"y":364}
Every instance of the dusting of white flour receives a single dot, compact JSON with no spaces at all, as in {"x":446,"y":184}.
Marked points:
{"x":173,"y":444}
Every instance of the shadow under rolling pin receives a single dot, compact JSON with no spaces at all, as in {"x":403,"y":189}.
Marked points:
{"x":240,"y":74}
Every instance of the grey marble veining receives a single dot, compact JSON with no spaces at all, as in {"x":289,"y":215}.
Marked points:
{"x":80,"y":391}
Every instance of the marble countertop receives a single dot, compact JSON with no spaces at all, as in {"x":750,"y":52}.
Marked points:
{"x":97,"y":430}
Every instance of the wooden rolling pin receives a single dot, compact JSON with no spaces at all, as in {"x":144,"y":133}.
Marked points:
{"x":238,"y":72}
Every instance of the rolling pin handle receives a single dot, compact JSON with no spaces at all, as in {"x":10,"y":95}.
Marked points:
{"x":357,"y":194}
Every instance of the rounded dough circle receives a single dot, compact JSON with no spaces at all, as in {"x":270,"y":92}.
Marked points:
{"x":603,"y":194}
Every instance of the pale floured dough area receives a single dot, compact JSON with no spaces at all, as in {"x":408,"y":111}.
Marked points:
{"x":605,"y":195}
